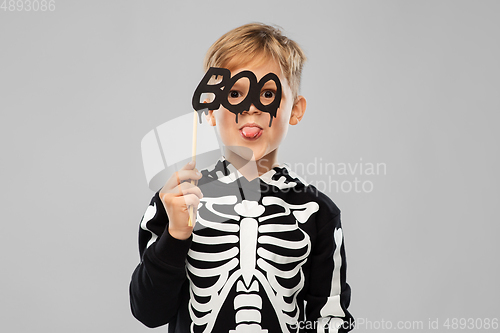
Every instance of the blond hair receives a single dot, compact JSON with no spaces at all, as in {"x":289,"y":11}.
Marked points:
{"x":258,"y":42}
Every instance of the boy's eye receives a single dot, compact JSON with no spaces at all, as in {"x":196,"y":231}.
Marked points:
{"x":234,"y":94}
{"x":268,"y":94}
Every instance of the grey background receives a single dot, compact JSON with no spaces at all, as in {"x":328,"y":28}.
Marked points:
{"x":412,"y":84}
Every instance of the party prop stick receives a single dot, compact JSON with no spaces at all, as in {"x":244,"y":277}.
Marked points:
{"x":193,"y":156}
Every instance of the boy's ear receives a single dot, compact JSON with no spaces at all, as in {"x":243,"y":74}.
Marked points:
{"x":298,"y":110}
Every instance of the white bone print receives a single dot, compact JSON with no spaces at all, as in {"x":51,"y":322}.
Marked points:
{"x":269,"y":259}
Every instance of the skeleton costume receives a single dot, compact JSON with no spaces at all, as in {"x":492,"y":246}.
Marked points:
{"x":265,"y":255}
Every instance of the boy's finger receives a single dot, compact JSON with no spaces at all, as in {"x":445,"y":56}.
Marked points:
{"x":189,"y":165}
{"x":187,"y":188}
{"x":188,"y":175}
{"x":188,"y":200}
{"x":181,"y":176}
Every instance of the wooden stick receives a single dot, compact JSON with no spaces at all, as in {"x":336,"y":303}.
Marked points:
{"x":193,"y":156}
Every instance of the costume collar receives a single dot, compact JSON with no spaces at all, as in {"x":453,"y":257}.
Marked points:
{"x":280,"y":176}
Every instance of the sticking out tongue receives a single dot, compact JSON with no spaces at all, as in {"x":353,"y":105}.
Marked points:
{"x":250,"y":131}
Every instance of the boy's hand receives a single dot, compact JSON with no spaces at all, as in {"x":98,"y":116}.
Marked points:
{"x":177,"y":194}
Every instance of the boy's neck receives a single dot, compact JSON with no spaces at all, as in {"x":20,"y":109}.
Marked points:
{"x":252,"y":169}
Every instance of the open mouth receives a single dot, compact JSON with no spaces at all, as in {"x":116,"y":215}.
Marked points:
{"x":251,"y":132}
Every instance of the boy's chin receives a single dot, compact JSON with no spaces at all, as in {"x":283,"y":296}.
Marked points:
{"x":243,"y":152}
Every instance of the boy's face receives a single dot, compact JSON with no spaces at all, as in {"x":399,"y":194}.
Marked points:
{"x":261,"y":139}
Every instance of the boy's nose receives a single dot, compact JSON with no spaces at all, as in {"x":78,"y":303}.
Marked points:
{"x":252,"y":110}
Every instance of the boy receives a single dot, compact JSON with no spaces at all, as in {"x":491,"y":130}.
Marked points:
{"x":266,"y":253}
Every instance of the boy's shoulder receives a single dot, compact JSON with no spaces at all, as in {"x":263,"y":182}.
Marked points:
{"x":308,"y":192}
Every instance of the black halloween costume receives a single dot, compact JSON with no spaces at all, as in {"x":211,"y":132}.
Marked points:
{"x":259,"y":249}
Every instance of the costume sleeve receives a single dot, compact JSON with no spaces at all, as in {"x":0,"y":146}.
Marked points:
{"x":160,"y":278}
{"x":329,"y":294}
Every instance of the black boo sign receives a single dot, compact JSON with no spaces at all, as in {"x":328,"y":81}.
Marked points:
{"x":221,"y":91}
